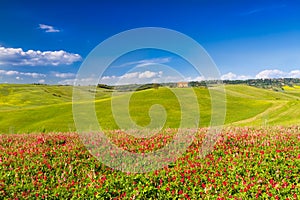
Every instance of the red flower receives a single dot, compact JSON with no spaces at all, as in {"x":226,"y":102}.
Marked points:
{"x":224,"y":183}
{"x":187,"y":196}
{"x":270,"y":194}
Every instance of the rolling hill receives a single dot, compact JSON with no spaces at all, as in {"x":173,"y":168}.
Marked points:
{"x":43,"y":108}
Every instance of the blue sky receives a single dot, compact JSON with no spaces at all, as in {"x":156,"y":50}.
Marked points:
{"x":47,"y":41}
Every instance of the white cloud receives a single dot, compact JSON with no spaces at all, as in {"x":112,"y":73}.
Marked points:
{"x":41,"y":81}
{"x":188,"y":79}
{"x":17,"y":57}
{"x":9,"y":73}
{"x":294,"y":74}
{"x":33,"y":75}
{"x":232,"y":76}
{"x":273,"y":73}
{"x":48,"y":29}
{"x":229,"y":76}
{"x":148,"y":74}
{"x":130,"y":75}
{"x":199,"y":78}
{"x":140,"y":75}
{"x":265,"y":74}
{"x":108,"y":77}
{"x":12,"y":72}
{"x":63,"y":75}
{"x":133,"y":77}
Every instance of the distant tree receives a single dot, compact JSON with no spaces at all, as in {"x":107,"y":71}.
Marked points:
{"x":104,"y":86}
{"x":155,"y":86}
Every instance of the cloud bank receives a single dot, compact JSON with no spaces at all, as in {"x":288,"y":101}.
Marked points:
{"x":232,"y":76}
{"x":265,"y":74}
{"x":16,"y":73}
{"x":18,"y":57}
{"x":275,"y":73}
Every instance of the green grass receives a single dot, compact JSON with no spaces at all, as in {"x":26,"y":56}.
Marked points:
{"x":41,"y":108}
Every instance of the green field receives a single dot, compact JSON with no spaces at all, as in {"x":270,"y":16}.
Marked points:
{"x":43,"y":108}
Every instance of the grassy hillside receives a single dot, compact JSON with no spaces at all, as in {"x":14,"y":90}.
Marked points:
{"x":274,"y":108}
{"x":40,"y":108}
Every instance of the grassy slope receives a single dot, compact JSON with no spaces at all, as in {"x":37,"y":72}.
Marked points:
{"x":283,"y":107}
{"x":36,"y":108}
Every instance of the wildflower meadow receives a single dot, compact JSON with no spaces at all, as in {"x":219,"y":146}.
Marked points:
{"x":246,"y":163}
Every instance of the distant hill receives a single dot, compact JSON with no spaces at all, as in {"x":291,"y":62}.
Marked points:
{"x":44,"y":108}
{"x":276,"y":84}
